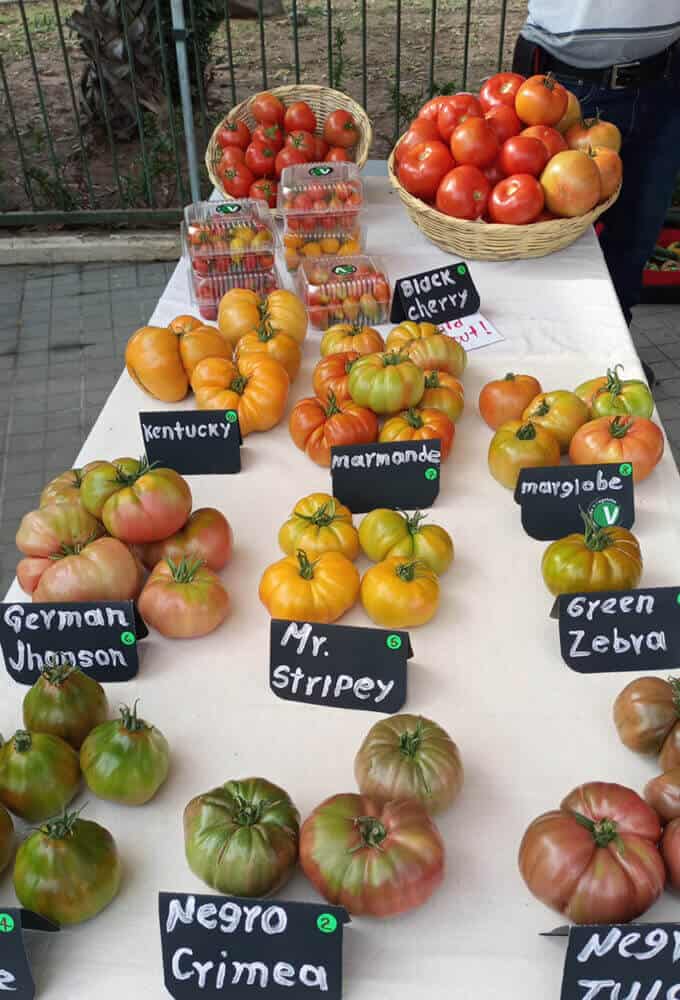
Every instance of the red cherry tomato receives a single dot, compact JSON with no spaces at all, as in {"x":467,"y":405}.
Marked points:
{"x":430,"y":109}
{"x":287,"y":157}
{"x":340,"y":129}
{"x":553,"y":140}
{"x":423,"y":167}
{"x":503,"y":121}
{"x":516,"y":200}
{"x":463,"y":193}
{"x":522,"y":154}
{"x":267,"y":109}
{"x":304,"y":141}
{"x":336,"y":154}
{"x":237,"y":180}
{"x":420,"y":130}
{"x":261,"y":159}
{"x":270,"y":135}
{"x":500,"y":90}
{"x":320,"y":149}
{"x":265,"y":190}
{"x":474,"y":142}
{"x":298,"y":116}
{"x":454,"y":110}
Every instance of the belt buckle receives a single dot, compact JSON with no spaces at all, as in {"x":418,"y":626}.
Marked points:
{"x":620,"y":70}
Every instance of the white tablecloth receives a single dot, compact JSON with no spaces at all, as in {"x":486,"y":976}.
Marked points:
{"x":488,"y":668}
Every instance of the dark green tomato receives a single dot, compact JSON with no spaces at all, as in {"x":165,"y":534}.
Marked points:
{"x":68,"y":870}
{"x":125,"y":760}
{"x":39,"y":775}
{"x":242,"y":838}
{"x":65,"y":702}
{"x":6,"y":838}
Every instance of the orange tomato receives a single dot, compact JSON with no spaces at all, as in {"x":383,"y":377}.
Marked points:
{"x":256,"y":387}
{"x":443,"y":392}
{"x":420,"y":424}
{"x":331,"y":375}
{"x":242,"y":310}
{"x":321,"y":590}
{"x":541,"y":100}
{"x":267,"y":342}
{"x":316,"y":426}
{"x":571,"y":184}
{"x":506,"y":398}
{"x":591,"y":132}
{"x":560,"y":412}
{"x":571,"y":115}
{"x":619,"y":439}
{"x":349,"y":337}
{"x":160,"y":359}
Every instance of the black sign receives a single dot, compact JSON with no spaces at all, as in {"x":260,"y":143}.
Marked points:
{"x":618,"y":630}
{"x":437,"y":296}
{"x":552,"y":498}
{"x":622,"y":962}
{"x":403,"y":475}
{"x":193,"y":442}
{"x":236,"y":948}
{"x":339,"y":665}
{"x":15,"y":972}
{"x":100,"y":637}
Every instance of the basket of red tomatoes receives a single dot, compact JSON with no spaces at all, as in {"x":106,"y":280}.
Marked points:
{"x":510,"y":172}
{"x":280,"y":128}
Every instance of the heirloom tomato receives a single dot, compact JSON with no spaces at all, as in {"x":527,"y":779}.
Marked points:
{"x":256,"y":387}
{"x":422,"y":168}
{"x":647,"y":718}
{"x":516,"y":201}
{"x":319,"y":523}
{"x":241,"y":838}
{"x":561,"y":412}
{"x":66,"y":487}
{"x":599,"y":559}
{"x":316,"y":426}
{"x":670,"y":849}
{"x":611,"y":396}
{"x":267,"y":109}
{"x":463,"y":193}
{"x":47,"y":531}
{"x":663,"y":794}
{"x":6,"y":838}
{"x":409,"y":757}
{"x":102,"y":570}
{"x":402,"y":335}
{"x":596,"y":859}
{"x":125,"y":760}
{"x":375,"y":860}
{"x":503,"y":121}
{"x":571,"y":184}
{"x":384,"y":533}
{"x":500,"y":89}
{"x":610,"y":167}
{"x":68,"y":870}
{"x":571,"y":115}
{"x":242,"y":310}
{"x":419,"y":424}
{"x":269,"y":343}
{"x":386,"y":383}
{"x":160,"y":360}
{"x":427,"y":347}
{"x":522,"y":154}
{"x":518,"y":445}
{"x":506,"y":398}
{"x":206,"y":535}
{"x":65,"y":702}
{"x":443,"y":392}
{"x":39,"y":775}
{"x":400,"y":592}
{"x":331,"y":374}
{"x":343,"y":337}
{"x":541,"y":100}
{"x":183,"y":600}
{"x":304,"y":590}
{"x":592,"y":132}
{"x":233,"y":134}
{"x":455,"y":109}
{"x":619,"y":439}
{"x":474,"y":142}
{"x":299,"y":115}
{"x":553,"y":140}
{"x":420,"y":130}
{"x":340,"y":129}
{"x":137,"y":502}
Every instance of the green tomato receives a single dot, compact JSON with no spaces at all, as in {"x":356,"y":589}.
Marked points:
{"x":384,"y":533}
{"x":65,"y":702}
{"x":125,"y":760}
{"x":242,"y":838}
{"x":68,"y":870}
{"x":386,"y":383}
{"x":6,"y":838}
{"x":39,"y":775}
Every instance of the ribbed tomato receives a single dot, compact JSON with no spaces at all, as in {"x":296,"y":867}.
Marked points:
{"x":316,"y":427}
{"x":619,"y":439}
{"x":647,"y":718}
{"x":561,"y":412}
{"x":516,"y":446}
{"x":65,"y":702}
{"x":206,"y":535}
{"x":319,"y":523}
{"x":386,"y":383}
{"x":418,"y":424}
{"x":103,"y":570}
{"x":443,"y":392}
{"x":183,"y":600}
{"x":332,"y":375}
{"x":598,"y":559}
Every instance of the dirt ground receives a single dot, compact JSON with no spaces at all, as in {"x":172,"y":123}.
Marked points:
{"x":67,"y":186}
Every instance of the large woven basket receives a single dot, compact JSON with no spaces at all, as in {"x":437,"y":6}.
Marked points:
{"x":490,"y":241}
{"x":322,"y":100}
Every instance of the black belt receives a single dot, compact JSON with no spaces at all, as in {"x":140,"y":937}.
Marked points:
{"x":632,"y":74}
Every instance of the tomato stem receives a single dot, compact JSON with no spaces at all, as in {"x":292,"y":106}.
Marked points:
{"x":613,"y":385}
{"x":129,"y":478}
{"x":596,"y":538}
{"x":407,"y":571}
{"x":323,"y":515}
{"x":371,"y":831}
{"x":239,"y":384}
{"x":265,"y":332}
{"x":413,"y":521}
{"x":55,"y":672}
{"x":333,"y":407}
{"x":249,"y":813}
{"x":22,"y":741}
{"x":620,"y":426}
{"x":410,"y":740}
{"x":432,"y":380}
{"x":129,"y":719}
{"x":413,"y":418}
{"x":72,"y":550}
{"x":541,"y":409}
{"x":306,"y":567}
{"x":509,"y":377}
{"x":185,"y":570}
{"x":61,"y":827}
{"x":527,"y":432}
{"x":393,"y":358}
{"x":604,"y":831}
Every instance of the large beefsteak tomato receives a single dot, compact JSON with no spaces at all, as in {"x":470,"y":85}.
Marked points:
{"x":102,"y":570}
{"x":65,"y":702}
{"x":125,"y":760}
{"x":443,"y":392}
{"x":619,"y":439}
{"x":419,"y":424}
{"x":317,"y":426}
{"x":52,"y":529}
{"x":242,"y":310}
{"x":599,"y":559}
{"x":611,"y":396}
{"x":343,"y":337}
{"x":400,"y":593}
{"x":332,"y":375}
{"x":319,"y":523}
{"x":257,"y":388}
{"x":39,"y":775}
{"x":520,"y":445}
{"x":384,"y":532}
{"x":206,"y":536}
{"x":183,"y":600}
{"x":386,"y":383}
{"x":304,"y":590}
{"x":647,"y":718}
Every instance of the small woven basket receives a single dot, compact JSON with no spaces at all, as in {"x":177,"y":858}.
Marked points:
{"x":491,"y":241}
{"x":322,"y":100}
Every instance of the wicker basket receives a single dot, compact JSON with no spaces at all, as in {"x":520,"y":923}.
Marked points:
{"x":322,"y":100}
{"x":490,"y":241}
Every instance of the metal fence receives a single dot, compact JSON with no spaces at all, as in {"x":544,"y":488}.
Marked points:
{"x":90,"y":125}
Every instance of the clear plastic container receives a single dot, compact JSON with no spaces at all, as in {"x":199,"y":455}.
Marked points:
{"x":206,"y":292}
{"x":236,"y":237}
{"x":322,"y":205}
{"x":353,"y":289}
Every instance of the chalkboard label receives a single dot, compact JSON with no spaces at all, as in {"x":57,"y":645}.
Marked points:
{"x":400,"y":474}
{"x":15,"y":972}
{"x":239,"y":948}
{"x":193,"y":442}
{"x":437,"y":296}
{"x":622,"y":962}
{"x":619,"y":630}
{"x":100,"y":637}
{"x":553,"y":497}
{"x":339,"y":665}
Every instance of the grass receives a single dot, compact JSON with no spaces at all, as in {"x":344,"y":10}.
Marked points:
{"x":42,"y":26}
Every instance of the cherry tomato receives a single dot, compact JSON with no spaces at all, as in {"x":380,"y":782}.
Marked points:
{"x":421,"y":130}
{"x":299,"y":115}
{"x":336,"y":154}
{"x":455,"y":110}
{"x":287,"y":157}
{"x":237,"y":180}
{"x":270,"y":135}
{"x":264,"y":189}
{"x":233,"y":134}
{"x":523,"y":154}
{"x":340,"y":129}
{"x":423,"y":167}
{"x":500,"y":90}
{"x":503,"y":121}
{"x":541,"y":100}
{"x":516,"y":201}
{"x":474,"y":142}
{"x":302,"y":141}
{"x":463,"y":193}
{"x":267,"y":109}
{"x":553,"y":141}
{"x":260,"y":159}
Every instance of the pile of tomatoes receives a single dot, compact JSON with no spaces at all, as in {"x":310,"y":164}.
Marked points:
{"x":515,"y":154}
{"x":346,"y":290}
{"x":251,"y":163}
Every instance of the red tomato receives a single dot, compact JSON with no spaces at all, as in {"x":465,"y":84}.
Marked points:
{"x":516,"y":200}
{"x":463,"y":193}
{"x":270,"y":135}
{"x":303,"y":141}
{"x":228,"y":157}
{"x":454,"y":110}
{"x":298,"y":116}
{"x":522,"y":155}
{"x":340,"y":129}
{"x":206,"y":536}
{"x":265,"y":190}
{"x":420,"y":130}
{"x":541,"y":100}
{"x":500,"y":90}
{"x":233,"y":134}
{"x":553,"y":141}
{"x":336,"y":154}
{"x":423,"y":167}
{"x":320,"y":149}
{"x":237,"y":180}
{"x":474,"y":142}
{"x":503,"y":121}
{"x":430,"y":109}
{"x":183,"y":600}
{"x":260,"y":159}
{"x":493,"y":174}
{"x":287,"y":157}
{"x":267,"y":109}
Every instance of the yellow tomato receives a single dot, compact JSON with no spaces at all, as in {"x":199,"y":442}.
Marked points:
{"x":321,"y":590}
{"x":407,"y":331}
{"x":385,"y":532}
{"x":319,"y":524}
{"x":397,"y":593}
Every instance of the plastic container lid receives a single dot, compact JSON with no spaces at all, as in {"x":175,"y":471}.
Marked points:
{"x":217,"y":229}
{"x":314,"y":188}
{"x":344,"y":289}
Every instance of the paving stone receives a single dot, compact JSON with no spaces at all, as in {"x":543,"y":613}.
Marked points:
{"x":666,"y":370}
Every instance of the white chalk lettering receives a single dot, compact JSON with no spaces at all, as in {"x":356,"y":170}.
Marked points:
{"x":328,"y":685}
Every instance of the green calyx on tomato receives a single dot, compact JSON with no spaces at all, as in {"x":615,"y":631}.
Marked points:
{"x":541,"y":409}
{"x":73,"y":550}
{"x":527,"y":432}
{"x":239,"y":384}
{"x":61,"y":827}
{"x":371,"y":831}
{"x":393,"y":358}
{"x":324,"y":515}
{"x":246,"y":812}
{"x":619,"y":427}
{"x":432,"y":380}
{"x":185,"y":570}
{"x":130,"y":720}
{"x":413,"y":419}
{"x":407,"y":571}
{"x":410,"y":740}
{"x":595,"y":537}
{"x":604,"y":832}
{"x":130,"y":478}
{"x":306,"y":566}
{"x":332,"y":406}
{"x":57,"y":673}
{"x":23,"y":741}
{"x":266,"y":332}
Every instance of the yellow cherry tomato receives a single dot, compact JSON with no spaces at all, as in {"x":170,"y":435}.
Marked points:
{"x":400,"y":593}
{"x":319,"y":524}
{"x":300,"y":589}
